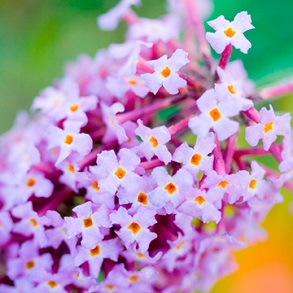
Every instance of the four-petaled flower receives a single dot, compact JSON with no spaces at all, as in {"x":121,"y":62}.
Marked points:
{"x":230,"y":32}
{"x":268,"y":128}
{"x":214,"y":115}
{"x":166,"y":72}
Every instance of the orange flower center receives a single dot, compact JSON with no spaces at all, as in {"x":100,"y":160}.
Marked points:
{"x":30,"y":264}
{"x":268,"y":126}
{"x":166,"y":72}
{"x":73,"y":108}
{"x":120,"y":173}
{"x":200,"y":200}
{"x":95,"y":251}
{"x":231,"y":89}
{"x":31,"y":182}
{"x":195,"y":159}
{"x":134,"y":228}
{"x":68,"y":139}
{"x":33,"y":222}
{"x":215,"y":114}
{"x":153,"y":141}
{"x":71,"y":168}
{"x":223,"y":183}
{"x":88,"y":222}
{"x":142,"y":198}
{"x":170,"y":187}
{"x":133,"y":278}
{"x":95,"y":185}
{"x":52,"y":284}
{"x":229,"y":32}
{"x":252,"y":184}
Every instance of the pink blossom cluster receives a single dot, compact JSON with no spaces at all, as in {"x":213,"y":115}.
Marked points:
{"x":128,"y":176}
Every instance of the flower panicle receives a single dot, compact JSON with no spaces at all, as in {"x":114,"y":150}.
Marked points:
{"x":129,"y":175}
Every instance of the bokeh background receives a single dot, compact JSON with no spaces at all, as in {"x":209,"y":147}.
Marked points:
{"x":37,"y":38}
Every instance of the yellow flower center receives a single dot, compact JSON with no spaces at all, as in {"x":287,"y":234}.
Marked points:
{"x":231,"y":89}
{"x":268,"y":126}
{"x":153,"y":141}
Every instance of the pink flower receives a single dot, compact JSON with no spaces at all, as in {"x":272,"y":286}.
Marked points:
{"x":110,"y":20}
{"x":268,"y":128}
{"x":197,"y":158}
{"x":166,"y":72}
{"x":154,"y":142}
{"x":230,"y":32}
{"x":135,"y":228}
{"x":214,"y":115}
{"x":70,"y":141}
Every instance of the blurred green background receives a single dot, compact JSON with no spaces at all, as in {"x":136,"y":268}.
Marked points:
{"x":38,"y":37}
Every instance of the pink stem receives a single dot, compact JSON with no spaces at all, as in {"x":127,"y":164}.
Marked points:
{"x":151,"y":164}
{"x":258,"y":151}
{"x":225,"y":56}
{"x":175,"y":128}
{"x":195,"y":22}
{"x":219,"y":163}
{"x":229,"y":152}
{"x":139,"y":112}
{"x":277,"y":90}
{"x":92,"y":156}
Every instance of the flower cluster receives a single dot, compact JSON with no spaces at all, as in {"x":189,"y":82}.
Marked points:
{"x":129,"y":177}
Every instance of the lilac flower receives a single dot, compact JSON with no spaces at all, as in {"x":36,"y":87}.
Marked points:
{"x":154,"y":30}
{"x":230,"y":187}
{"x":166,"y":72}
{"x":115,"y":171}
{"x":110,"y":20}
{"x":91,"y":181}
{"x":154,"y":142}
{"x":233,"y":89}
{"x":114,"y":129}
{"x":268,"y":128}
{"x":105,"y":249}
{"x":214,"y":114}
{"x":197,"y":158}
{"x":137,"y":194}
{"x":35,"y":183}
{"x":89,"y":223}
{"x":70,"y":141}
{"x":200,"y":204}
{"x":135,"y":228}
{"x":6,"y":225}
{"x":28,"y":262}
{"x":230,"y":32}
{"x":30,"y":223}
{"x":171,"y":190}
{"x":133,"y":83}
